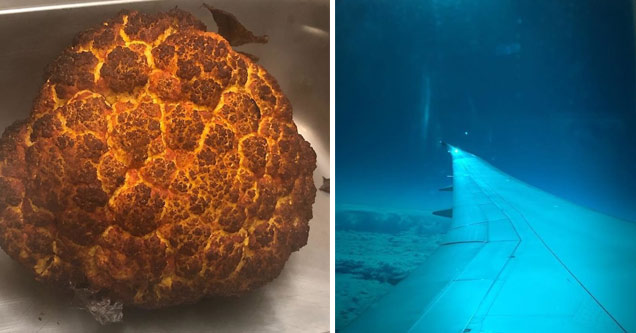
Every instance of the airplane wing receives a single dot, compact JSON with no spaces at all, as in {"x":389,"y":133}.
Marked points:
{"x":516,"y":259}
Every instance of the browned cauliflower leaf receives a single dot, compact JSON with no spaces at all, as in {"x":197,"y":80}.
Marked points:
{"x":158,"y":166}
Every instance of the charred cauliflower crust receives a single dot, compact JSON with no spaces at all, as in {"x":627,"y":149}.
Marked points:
{"x":158,"y":166}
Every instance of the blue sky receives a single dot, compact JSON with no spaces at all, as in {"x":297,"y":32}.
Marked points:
{"x":542,"y":89}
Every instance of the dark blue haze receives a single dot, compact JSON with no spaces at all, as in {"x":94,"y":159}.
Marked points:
{"x":542,"y":89}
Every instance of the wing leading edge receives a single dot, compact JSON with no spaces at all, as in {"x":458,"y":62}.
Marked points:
{"x":515,"y":259}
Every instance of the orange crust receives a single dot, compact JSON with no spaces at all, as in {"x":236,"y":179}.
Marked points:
{"x":158,"y":166}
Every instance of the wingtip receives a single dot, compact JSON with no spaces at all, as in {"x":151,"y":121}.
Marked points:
{"x":451,"y":149}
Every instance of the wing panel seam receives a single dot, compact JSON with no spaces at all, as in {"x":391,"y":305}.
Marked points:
{"x":482,"y":187}
{"x":503,"y":267}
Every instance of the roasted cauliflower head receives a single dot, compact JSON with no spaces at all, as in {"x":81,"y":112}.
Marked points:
{"x":157,"y":166}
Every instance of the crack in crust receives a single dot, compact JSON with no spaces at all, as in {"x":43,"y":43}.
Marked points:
{"x":158,"y":166}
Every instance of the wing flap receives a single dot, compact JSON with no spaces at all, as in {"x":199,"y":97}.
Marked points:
{"x":477,"y":232}
{"x":405,"y":304}
{"x":454,"y":309}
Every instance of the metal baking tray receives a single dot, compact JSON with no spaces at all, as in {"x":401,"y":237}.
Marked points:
{"x":33,"y":32}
